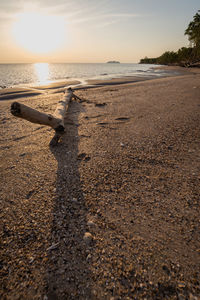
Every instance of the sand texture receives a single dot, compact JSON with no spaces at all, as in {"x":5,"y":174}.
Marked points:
{"x":111,"y":212}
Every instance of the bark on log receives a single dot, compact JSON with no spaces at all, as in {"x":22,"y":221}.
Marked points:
{"x":56,"y":121}
{"x":61,"y":106}
{"x":34,"y":116}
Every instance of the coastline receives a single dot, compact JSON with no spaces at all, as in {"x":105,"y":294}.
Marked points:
{"x":127,"y":171}
{"x":58,"y":86}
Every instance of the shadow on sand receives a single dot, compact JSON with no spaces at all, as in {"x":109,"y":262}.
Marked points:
{"x":68,"y":275}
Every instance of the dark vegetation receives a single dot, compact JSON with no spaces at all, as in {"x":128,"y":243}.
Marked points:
{"x":185,"y":56}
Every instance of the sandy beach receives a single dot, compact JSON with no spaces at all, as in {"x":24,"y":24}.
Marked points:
{"x":111,"y":212}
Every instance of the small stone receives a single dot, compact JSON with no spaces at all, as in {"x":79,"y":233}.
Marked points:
{"x":88,"y":238}
{"x":22,"y":154}
{"x":12,"y":167}
{"x":29,"y":194}
{"x":52,"y":247}
{"x":100,"y":104}
{"x":31,"y":260}
{"x":98,"y":211}
{"x":74,"y":200}
{"x":90,"y":223}
{"x":181,"y":284}
{"x":89,"y":256}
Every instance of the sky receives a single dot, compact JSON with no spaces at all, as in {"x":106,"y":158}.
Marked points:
{"x":92,"y":31}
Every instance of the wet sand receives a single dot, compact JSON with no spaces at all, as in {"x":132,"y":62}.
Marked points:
{"x":127,"y":172}
{"x":58,"y":86}
{"x":23,"y":92}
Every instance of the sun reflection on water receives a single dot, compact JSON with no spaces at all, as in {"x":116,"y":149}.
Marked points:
{"x":42,"y":72}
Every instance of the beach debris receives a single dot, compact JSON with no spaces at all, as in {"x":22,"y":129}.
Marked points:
{"x":74,"y":200}
{"x":55,"y":121}
{"x":30,"y":193}
{"x":22,"y":154}
{"x":90,"y":223}
{"x":102,"y":123}
{"x":122,"y":144}
{"x":81,"y":156}
{"x":79,"y":99}
{"x":100,"y":104}
{"x":89,"y":256}
{"x":52,"y":247}
{"x":88,"y":238}
{"x":122,"y":119}
{"x":170,"y":147}
{"x":87,"y":158}
{"x":181,"y":284}
{"x":31,"y":260}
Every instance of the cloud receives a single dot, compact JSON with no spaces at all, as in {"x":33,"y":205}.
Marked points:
{"x":102,"y":25}
{"x":106,"y":18}
{"x":7,"y":9}
{"x":75,"y":12}
{"x":123,"y":15}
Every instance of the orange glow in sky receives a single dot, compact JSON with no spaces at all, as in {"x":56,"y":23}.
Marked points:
{"x":92,"y":31}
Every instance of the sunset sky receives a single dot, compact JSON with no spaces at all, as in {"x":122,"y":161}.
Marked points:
{"x":92,"y":30}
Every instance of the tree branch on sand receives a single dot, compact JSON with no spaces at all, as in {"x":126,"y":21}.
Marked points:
{"x":56,"y":121}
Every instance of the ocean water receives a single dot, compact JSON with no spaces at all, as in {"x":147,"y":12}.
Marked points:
{"x":43,"y":73}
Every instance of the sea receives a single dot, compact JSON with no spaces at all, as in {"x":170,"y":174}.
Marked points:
{"x":19,"y":75}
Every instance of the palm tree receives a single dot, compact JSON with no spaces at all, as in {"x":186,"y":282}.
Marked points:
{"x":193,"y":32}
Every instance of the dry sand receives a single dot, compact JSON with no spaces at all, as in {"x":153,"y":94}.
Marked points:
{"x":127,"y":172}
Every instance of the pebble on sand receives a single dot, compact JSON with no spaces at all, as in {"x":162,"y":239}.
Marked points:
{"x":90,"y":223}
{"x":88,"y":238}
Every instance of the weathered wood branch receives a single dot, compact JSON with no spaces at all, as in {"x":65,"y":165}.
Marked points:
{"x":34,"y":116}
{"x":60,"y":115}
{"x":56,"y":121}
{"x":62,"y":105}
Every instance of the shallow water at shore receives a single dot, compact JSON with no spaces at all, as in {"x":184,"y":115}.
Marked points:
{"x":52,"y":87}
{"x":26,"y":75}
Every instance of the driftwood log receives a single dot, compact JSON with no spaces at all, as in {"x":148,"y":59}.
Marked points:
{"x":56,"y":121}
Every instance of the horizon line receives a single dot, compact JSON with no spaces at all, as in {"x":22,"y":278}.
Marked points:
{"x":44,"y":62}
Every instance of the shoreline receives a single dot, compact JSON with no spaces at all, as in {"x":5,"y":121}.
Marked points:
{"x":58,"y":86}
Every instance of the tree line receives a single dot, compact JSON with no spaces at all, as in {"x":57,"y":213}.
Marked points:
{"x":185,"y":56}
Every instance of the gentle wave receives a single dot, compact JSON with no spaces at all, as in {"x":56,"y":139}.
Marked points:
{"x":43,"y":73}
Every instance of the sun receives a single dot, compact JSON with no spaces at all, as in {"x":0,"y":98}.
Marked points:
{"x":39,"y":33}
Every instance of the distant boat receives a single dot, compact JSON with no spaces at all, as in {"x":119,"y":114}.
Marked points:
{"x":113,"y":62}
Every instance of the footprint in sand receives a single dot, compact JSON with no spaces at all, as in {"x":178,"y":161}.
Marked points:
{"x":102,"y":123}
{"x":122,"y":119}
{"x":93,"y":117}
{"x":83,"y":156}
{"x":100,"y":104}
{"x":19,"y":138}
